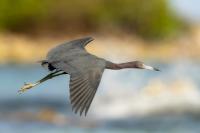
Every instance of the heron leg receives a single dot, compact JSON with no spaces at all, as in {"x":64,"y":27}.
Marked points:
{"x":28,"y":86}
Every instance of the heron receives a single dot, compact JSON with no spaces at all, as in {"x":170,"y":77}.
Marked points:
{"x":85,"y":71}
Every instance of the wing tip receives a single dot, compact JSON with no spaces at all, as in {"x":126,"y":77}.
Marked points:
{"x":89,"y":39}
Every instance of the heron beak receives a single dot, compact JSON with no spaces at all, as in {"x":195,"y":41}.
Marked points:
{"x":150,"y":68}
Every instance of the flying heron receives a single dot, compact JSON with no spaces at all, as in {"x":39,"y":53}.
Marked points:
{"x":85,"y":71}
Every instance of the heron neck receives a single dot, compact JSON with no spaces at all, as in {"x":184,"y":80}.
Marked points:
{"x":116,"y":66}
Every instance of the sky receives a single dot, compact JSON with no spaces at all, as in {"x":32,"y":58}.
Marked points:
{"x":188,"y":9}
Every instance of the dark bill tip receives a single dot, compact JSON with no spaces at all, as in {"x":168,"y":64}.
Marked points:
{"x":156,"y":69}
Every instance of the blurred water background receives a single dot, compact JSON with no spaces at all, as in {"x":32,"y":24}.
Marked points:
{"x":162,"y":33}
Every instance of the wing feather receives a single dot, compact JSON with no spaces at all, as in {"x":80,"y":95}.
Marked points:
{"x":83,"y":95}
{"x":89,"y":101}
{"x":57,"y":52}
{"x":79,"y":90}
{"x":83,"y":103}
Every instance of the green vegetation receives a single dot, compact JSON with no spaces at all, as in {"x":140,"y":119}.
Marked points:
{"x":145,"y":18}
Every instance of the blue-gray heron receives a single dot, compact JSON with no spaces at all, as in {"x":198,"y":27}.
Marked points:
{"x":85,"y":71}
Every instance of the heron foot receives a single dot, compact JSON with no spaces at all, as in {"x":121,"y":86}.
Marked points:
{"x":26,"y":87}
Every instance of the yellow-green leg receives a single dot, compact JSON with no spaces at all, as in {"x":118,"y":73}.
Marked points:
{"x":28,"y":86}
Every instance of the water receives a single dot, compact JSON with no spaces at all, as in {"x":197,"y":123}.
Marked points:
{"x":119,"y":105}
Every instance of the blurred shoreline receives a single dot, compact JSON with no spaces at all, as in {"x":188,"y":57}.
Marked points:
{"x":28,"y":50}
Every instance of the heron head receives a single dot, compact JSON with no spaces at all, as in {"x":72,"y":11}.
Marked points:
{"x":141,"y":65}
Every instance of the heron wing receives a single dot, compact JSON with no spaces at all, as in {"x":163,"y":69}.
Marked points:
{"x":85,"y":77}
{"x":62,"y":49}
{"x":83,"y":88}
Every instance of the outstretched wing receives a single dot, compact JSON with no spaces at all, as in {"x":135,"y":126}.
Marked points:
{"x":61,"y":50}
{"x":83,"y":88}
{"x":84,"y":81}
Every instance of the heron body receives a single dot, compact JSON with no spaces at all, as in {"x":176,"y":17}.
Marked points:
{"x":85,"y":71}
